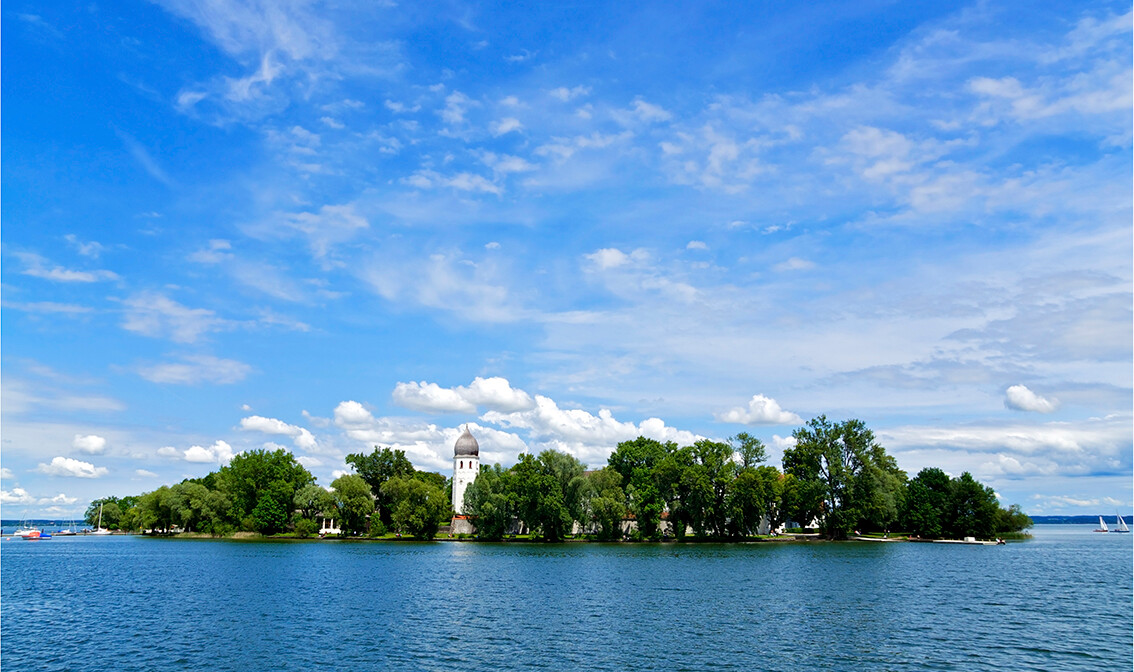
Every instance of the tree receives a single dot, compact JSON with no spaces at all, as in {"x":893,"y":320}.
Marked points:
{"x":111,"y":512}
{"x":261,"y":485}
{"x":602,"y":502}
{"x":352,"y":498}
{"x":973,"y":509}
{"x":750,"y":449}
{"x":746,"y":502}
{"x":312,"y":500}
{"x":927,"y":501}
{"x":416,"y":505}
{"x":635,"y":462}
{"x":539,"y":491}
{"x":845,"y":474}
{"x":489,"y":502}
{"x":377,"y":468}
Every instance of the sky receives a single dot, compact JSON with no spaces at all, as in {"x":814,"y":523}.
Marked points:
{"x":330,"y":226}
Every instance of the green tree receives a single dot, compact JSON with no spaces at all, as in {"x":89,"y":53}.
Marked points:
{"x":261,"y":486}
{"x":973,"y":509}
{"x":416,"y":505}
{"x":312,"y":500}
{"x":111,"y":512}
{"x":927,"y":501}
{"x":746,"y":502}
{"x":843,"y":473}
{"x":377,"y":468}
{"x":602,"y":502}
{"x":751,"y":450}
{"x":354,"y":502}
{"x":635,"y":462}
{"x":539,"y":488}
{"x":490,"y":504}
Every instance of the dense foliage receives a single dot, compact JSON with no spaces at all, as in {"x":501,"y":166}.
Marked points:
{"x":836,"y":478}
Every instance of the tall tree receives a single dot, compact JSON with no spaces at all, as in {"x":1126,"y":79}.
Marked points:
{"x":490,"y":502}
{"x":261,"y":485}
{"x":416,"y":505}
{"x":840,"y":468}
{"x":635,"y":462}
{"x":602,"y":502}
{"x":377,"y":468}
{"x":354,"y":502}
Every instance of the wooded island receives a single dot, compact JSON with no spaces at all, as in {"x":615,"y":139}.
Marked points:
{"x":836,"y":477}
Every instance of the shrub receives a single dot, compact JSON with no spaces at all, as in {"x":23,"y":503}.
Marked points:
{"x":377,"y":527}
{"x":305,"y":527}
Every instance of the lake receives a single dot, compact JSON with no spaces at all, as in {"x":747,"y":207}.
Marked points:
{"x":1062,"y":601}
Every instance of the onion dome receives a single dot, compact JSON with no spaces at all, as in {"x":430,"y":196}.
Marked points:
{"x":466,"y":445}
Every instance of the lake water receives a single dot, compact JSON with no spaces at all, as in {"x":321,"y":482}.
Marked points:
{"x":1063,"y":601}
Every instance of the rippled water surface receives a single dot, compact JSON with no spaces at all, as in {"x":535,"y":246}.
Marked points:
{"x":1063,"y":601}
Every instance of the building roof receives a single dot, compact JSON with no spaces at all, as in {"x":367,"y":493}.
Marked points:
{"x":466,"y":445}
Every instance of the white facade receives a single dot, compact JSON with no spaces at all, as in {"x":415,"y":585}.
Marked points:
{"x":466,"y":465}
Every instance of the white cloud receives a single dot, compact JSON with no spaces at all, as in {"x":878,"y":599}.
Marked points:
{"x":1020,"y":398}
{"x":90,"y":444}
{"x":145,"y":473}
{"x":456,"y":105}
{"x":431,"y":397}
{"x":61,"y":498}
{"x":564,"y":94}
{"x":196,"y":369}
{"x":168,"y":451}
{"x":494,"y":393}
{"x":15,"y":496}
{"x":505,"y":126}
{"x":696,"y":245}
{"x":300,"y":435}
{"x":218,"y":453}
{"x":650,"y":113}
{"x":331,"y":225}
{"x":794,"y":264}
{"x":611,"y":257}
{"x":589,"y":437}
{"x":156,"y":315}
{"x":761,"y":410}
{"x":331,"y":122}
{"x":6,"y":474}
{"x":38,"y":267}
{"x":66,"y":466}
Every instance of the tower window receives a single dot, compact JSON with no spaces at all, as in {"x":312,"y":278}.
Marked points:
{"x":462,"y":465}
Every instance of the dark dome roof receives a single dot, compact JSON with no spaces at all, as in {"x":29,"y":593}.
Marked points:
{"x":466,"y":445}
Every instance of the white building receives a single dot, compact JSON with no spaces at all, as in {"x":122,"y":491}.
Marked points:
{"x":466,"y":465}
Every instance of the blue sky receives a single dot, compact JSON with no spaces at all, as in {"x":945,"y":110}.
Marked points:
{"x":330,"y":226}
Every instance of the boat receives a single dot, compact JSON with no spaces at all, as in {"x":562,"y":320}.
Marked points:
{"x":26,"y":531}
{"x":1120,"y":525}
{"x":100,"y":530}
{"x":68,"y":531}
{"x":1102,"y":526}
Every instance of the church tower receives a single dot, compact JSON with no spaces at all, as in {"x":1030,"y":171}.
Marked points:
{"x":466,"y":465}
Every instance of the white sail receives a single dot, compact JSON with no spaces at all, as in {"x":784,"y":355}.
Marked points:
{"x":1102,"y":526}
{"x":1122,"y":524}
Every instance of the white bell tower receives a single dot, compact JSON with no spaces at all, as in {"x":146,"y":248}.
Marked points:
{"x":466,"y":465}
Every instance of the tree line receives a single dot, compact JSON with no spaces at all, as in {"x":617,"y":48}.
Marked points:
{"x":836,"y":477}
{"x":269,"y":492}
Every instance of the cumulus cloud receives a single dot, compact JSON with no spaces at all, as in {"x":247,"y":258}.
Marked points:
{"x":218,"y":453}
{"x":6,"y":474}
{"x":761,"y":410}
{"x":196,"y":369}
{"x":299,"y":435}
{"x":587,"y":436}
{"x":66,"y":466}
{"x":145,"y":473}
{"x":612,"y":257}
{"x":1020,"y":398}
{"x":493,"y":393}
{"x":15,"y":496}
{"x":90,"y":444}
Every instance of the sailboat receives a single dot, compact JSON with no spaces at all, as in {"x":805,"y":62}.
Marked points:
{"x":1102,"y":526}
{"x":1121,"y":524}
{"x":100,"y":529}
